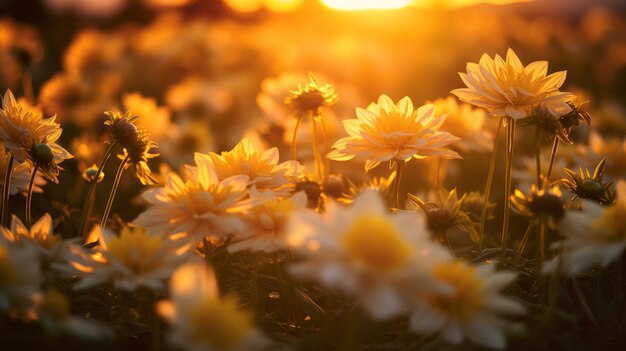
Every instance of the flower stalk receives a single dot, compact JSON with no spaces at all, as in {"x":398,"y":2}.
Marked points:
{"x":317,"y":156}
{"x":116,"y":183}
{"x":492,"y":166}
{"x":5,"y":192}
{"x":395,"y":194}
{"x":29,"y":196}
{"x":294,"y":137}
{"x":510,"y":150}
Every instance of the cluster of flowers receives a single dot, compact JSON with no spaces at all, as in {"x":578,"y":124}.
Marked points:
{"x":361,"y":242}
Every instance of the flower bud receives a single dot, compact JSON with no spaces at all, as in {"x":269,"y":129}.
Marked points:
{"x":42,"y":154}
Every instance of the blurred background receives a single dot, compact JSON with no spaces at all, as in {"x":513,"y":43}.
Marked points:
{"x":204,"y":73}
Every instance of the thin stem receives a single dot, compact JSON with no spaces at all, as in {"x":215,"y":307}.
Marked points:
{"x":555,"y":147}
{"x":5,"y":192}
{"x":116,"y":183}
{"x":492,"y":166}
{"x":294,"y":137}
{"x":326,"y":150}
{"x":438,"y":174}
{"x":400,"y":165}
{"x":510,"y":150}
{"x":522,"y":245}
{"x":91,"y":192}
{"x":316,"y":151}
{"x":538,"y":154}
{"x":29,"y":195}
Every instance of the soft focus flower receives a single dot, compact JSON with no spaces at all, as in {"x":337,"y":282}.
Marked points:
{"x":593,"y":237}
{"x":20,"y":277}
{"x":446,"y":213}
{"x":261,"y":166}
{"x":473,"y":202}
{"x":267,"y":221}
{"x":465,"y":122}
{"x":386,"y":131}
{"x":380,"y":184}
{"x":129,"y":261}
{"x":155,"y":119}
{"x":202,"y":206}
{"x":201,"y":320}
{"x":590,"y":186}
{"x":554,"y":126}
{"x":470,"y":308}
{"x":507,"y":88}
{"x":309,"y":99}
{"x":53,"y":311}
{"x":138,"y":147}
{"x":365,"y":252}
{"x":40,"y":236}
{"x":546,"y":202}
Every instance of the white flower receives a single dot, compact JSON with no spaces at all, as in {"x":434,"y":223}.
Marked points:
{"x":129,"y":261}
{"x":267,"y":221}
{"x":470,"y":307}
{"x":593,"y":237}
{"x":203,"y":206}
{"x":365,"y":252}
{"x":201,"y":320}
{"x":20,"y":277}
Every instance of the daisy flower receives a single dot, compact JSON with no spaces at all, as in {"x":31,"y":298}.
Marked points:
{"x":387,"y":131}
{"x":593,"y":237}
{"x":311,"y":97}
{"x":365,"y":252}
{"x":261,"y":166}
{"x":267,"y":221}
{"x":465,"y":122}
{"x":505,"y":87}
{"x":129,"y":261}
{"x":201,"y":320}
{"x":202,"y":206}
{"x":471,"y":306}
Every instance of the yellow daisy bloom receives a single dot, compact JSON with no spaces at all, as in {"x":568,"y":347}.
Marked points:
{"x":311,"y":97}
{"x":387,"y":131}
{"x":465,"y":122}
{"x":505,"y":87}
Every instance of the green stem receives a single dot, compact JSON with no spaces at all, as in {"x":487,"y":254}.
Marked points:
{"x":29,"y":196}
{"x":91,"y":192}
{"x":522,"y":245}
{"x":317,"y":156}
{"x":541,"y":243}
{"x":538,"y":154}
{"x":492,"y":166}
{"x":5,"y":192}
{"x":395,"y":200}
{"x":116,"y":183}
{"x":294,"y":137}
{"x":555,"y":147}
{"x":510,"y":150}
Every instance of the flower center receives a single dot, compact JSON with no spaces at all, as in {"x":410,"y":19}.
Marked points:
{"x":375,"y":242}
{"x":135,"y":250}
{"x":466,"y":298}
{"x":220,"y":322}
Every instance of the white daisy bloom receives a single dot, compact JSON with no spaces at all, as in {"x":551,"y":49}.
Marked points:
{"x":267,"y":221}
{"x":201,"y":320}
{"x":593,"y":237}
{"x":471,"y":306}
{"x":365,"y":252}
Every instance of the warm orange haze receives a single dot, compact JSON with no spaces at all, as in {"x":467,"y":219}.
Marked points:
{"x":243,"y":175}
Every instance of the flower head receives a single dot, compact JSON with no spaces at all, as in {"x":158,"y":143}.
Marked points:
{"x":202,"y":206}
{"x":40,"y":236}
{"x":261,"y":166}
{"x":387,"y":131}
{"x":505,"y":87}
{"x":133,"y":259}
{"x":557,"y":126}
{"x":308,"y":99}
{"x":365,"y":252}
{"x":138,"y":147}
{"x":546,"y":201}
{"x":202,"y":320}
{"x":470,"y":306}
{"x":465,"y":122}
{"x":590,"y":186}
{"x":380,"y":184}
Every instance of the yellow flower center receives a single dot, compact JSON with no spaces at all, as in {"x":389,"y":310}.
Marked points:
{"x":135,"y":249}
{"x":376,"y":242}
{"x":611,"y":226}
{"x":221,"y":323}
{"x":7,"y":270}
{"x":466,"y":299}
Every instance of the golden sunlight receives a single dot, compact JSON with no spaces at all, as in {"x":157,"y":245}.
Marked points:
{"x":355,"y":5}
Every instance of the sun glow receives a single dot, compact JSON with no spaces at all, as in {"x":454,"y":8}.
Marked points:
{"x":355,"y":5}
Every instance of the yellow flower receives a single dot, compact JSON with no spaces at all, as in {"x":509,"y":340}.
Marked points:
{"x":465,"y":122}
{"x":507,"y":88}
{"x":202,"y":320}
{"x":138,"y":147}
{"x":469,"y":304}
{"x":156,"y":120}
{"x":261,"y":166}
{"x":22,"y":126}
{"x":546,"y":201}
{"x":202,"y":206}
{"x":309,"y":99}
{"x":133,"y":259}
{"x":386,"y":131}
